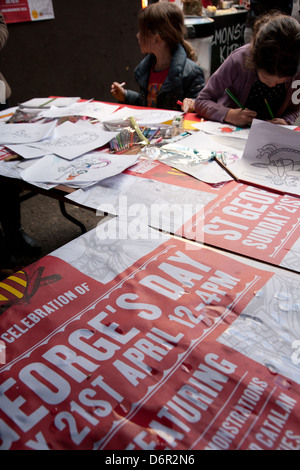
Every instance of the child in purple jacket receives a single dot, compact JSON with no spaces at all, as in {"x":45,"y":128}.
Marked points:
{"x":263,"y":76}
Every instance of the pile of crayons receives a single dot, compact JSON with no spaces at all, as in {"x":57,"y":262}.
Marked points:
{"x":129,"y":137}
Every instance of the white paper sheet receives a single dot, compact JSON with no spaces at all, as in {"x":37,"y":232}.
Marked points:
{"x":222,"y":129}
{"x":10,"y":169}
{"x":72,"y":140}
{"x":93,"y":109}
{"x":204,"y":142}
{"x":91,"y":167}
{"x":145,"y":117}
{"x":25,"y":133}
{"x":47,"y":102}
{"x":209,"y":172}
{"x":271,"y":158}
{"x":160,"y":205}
{"x":40,"y":9}
{"x":26,"y":151}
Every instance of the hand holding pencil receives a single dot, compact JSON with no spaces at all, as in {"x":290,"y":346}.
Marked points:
{"x":241,"y":117}
{"x":118,"y":91}
{"x":273,"y":119}
{"x":187,"y":105}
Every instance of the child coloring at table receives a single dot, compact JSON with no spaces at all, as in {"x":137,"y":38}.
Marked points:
{"x":168,"y":73}
{"x":258,"y":80}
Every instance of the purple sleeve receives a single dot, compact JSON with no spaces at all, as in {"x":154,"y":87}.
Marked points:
{"x":213,"y":103}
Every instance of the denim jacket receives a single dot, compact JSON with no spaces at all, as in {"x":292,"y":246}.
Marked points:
{"x":185,"y":80}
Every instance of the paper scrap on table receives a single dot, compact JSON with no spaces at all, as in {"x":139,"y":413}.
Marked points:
{"x":71,"y":141}
{"x":25,"y":133}
{"x":271,"y":158}
{"x":161,"y":205}
{"x":10,"y":169}
{"x":208,"y":171}
{"x":202,"y":141}
{"x":26,"y":151}
{"x":224,"y":129}
{"x":145,"y":117}
{"x":13,"y":170}
{"x":91,"y":167}
{"x":93,"y":109}
{"x":47,"y":102}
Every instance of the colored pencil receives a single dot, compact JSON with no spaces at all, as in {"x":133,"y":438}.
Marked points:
{"x":234,"y":98}
{"x":269,"y":109}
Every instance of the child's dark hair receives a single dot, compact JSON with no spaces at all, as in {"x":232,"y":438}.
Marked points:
{"x":276,"y":45}
{"x":167,"y":20}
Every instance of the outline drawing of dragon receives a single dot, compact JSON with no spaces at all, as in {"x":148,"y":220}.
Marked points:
{"x":282,"y":163}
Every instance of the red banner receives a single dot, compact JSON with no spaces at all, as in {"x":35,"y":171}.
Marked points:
{"x":260,"y":224}
{"x":253,"y":222}
{"x":140,"y":362}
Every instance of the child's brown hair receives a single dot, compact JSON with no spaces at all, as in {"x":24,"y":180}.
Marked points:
{"x":167,"y":20}
{"x":275,"y":45}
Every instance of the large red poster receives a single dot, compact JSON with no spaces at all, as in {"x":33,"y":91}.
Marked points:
{"x":250,"y":221}
{"x":135,"y":344}
{"x":243,"y":219}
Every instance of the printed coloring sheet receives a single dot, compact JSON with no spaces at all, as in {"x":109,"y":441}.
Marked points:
{"x":271,"y":158}
{"x":72,"y":140}
{"x":145,"y":117}
{"x":222,"y":129}
{"x":25,"y":133}
{"x":160,"y":205}
{"x":89,"y":168}
{"x":193,"y":162}
{"x":93,"y":109}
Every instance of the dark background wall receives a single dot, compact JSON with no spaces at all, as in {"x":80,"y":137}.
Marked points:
{"x":81,"y":52}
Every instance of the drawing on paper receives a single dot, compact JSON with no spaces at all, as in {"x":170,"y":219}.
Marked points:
{"x":82,"y":138}
{"x":72,"y":171}
{"x":267,"y":328}
{"x":230,"y":129}
{"x":282,"y":163}
{"x":21,"y":134}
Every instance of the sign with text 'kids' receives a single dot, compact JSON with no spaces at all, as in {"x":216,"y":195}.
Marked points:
{"x":146,"y":342}
{"x":16,"y":11}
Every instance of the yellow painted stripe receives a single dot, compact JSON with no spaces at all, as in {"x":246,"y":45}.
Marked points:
{"x":18,"y":280}
{"x":3,"y":298}
{"x":10,"y":289}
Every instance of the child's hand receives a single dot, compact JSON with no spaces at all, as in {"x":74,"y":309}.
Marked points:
{"x":188,"y":105}
{"x":279,"y":121}
{"x":118,"y":91}
{"x":240,"y":117}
